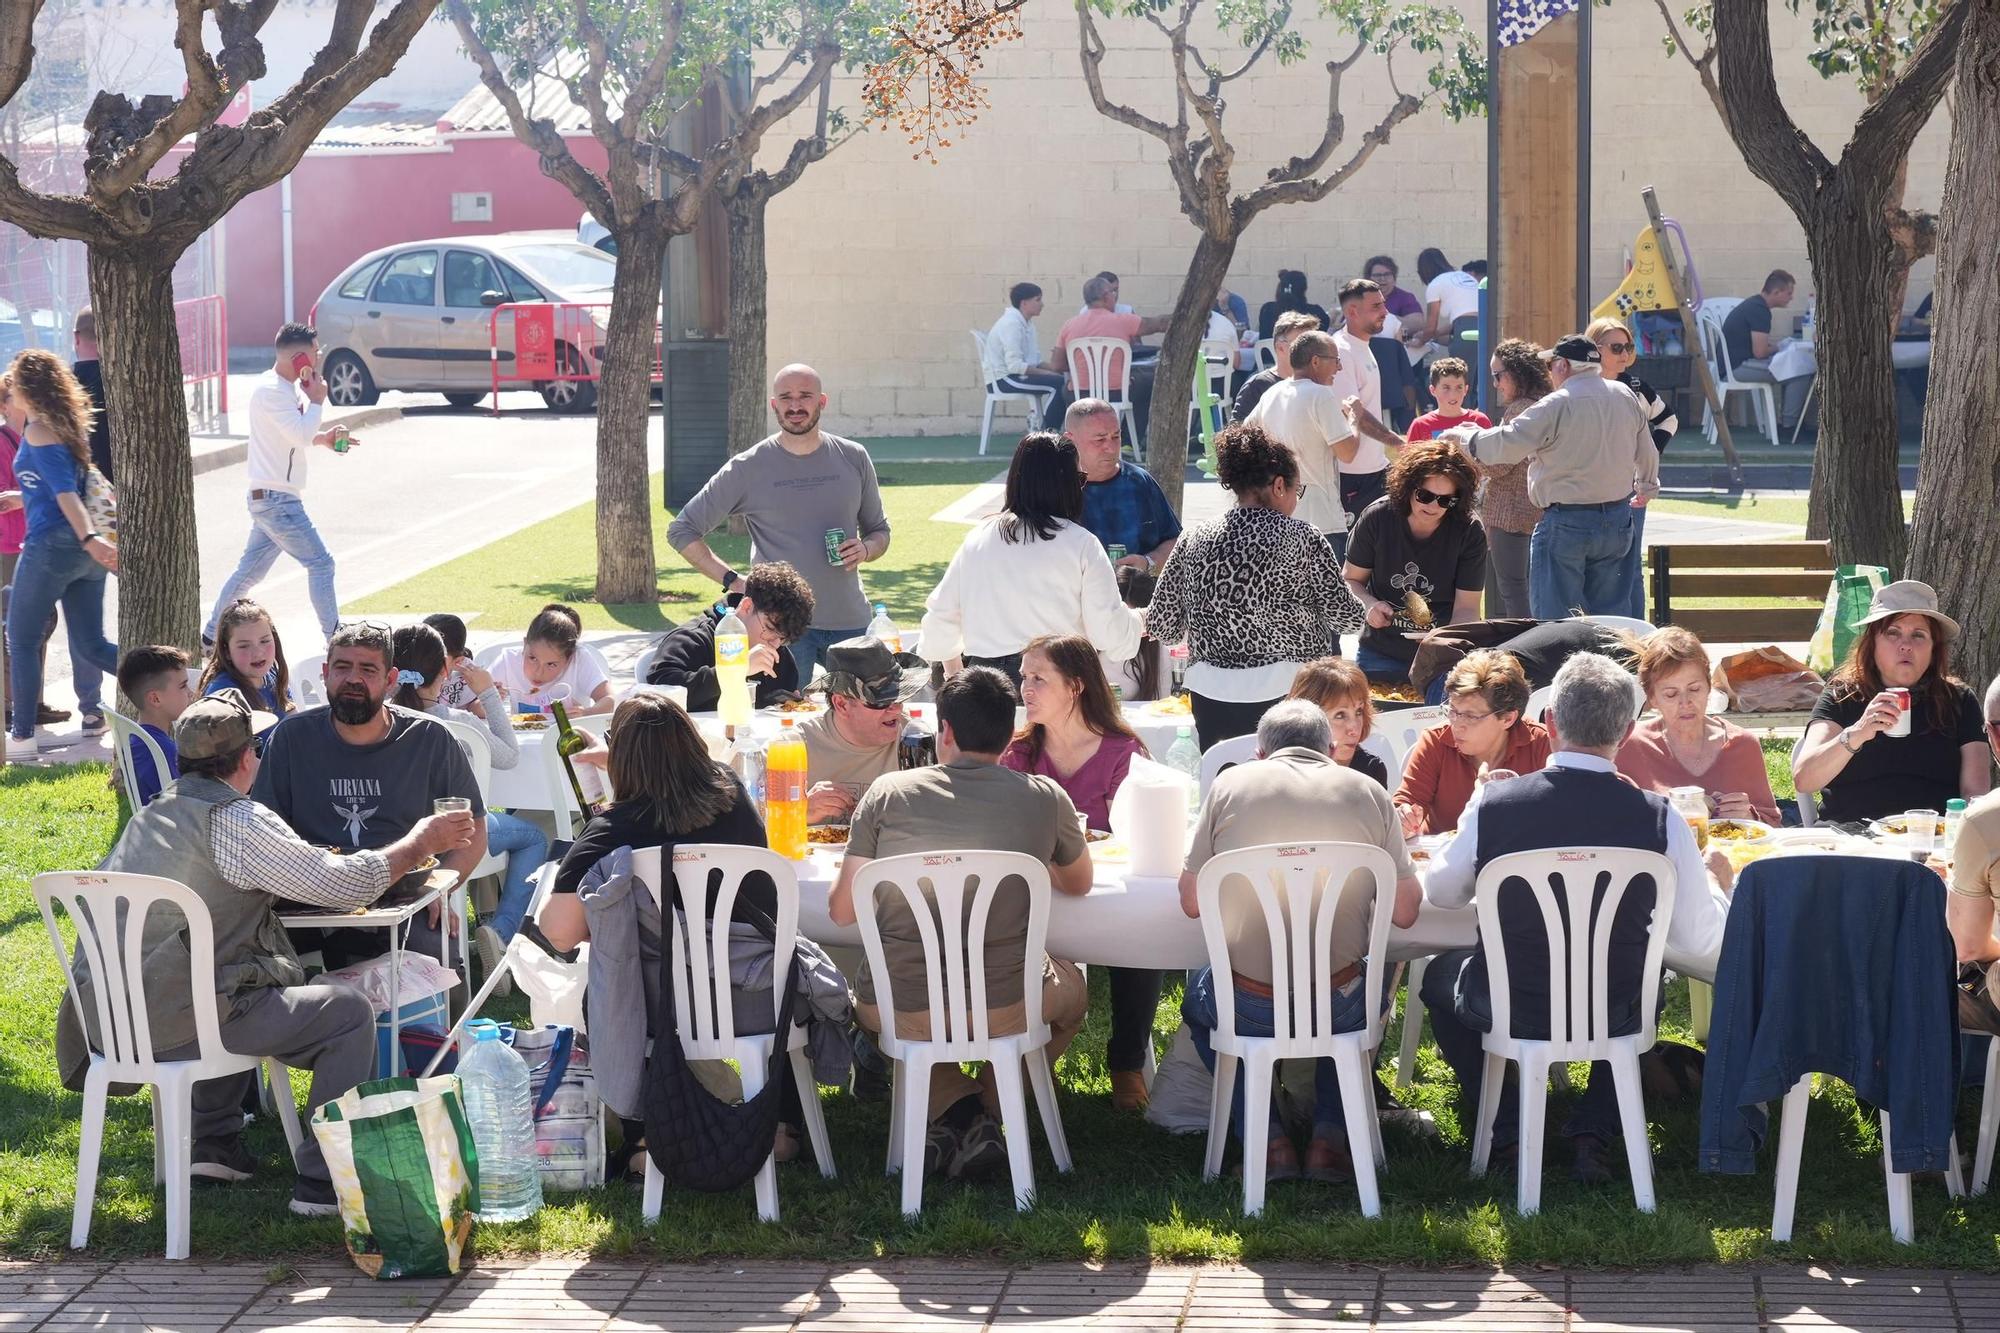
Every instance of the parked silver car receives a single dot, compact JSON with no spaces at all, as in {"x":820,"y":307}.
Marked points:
{"x":420,"y":316}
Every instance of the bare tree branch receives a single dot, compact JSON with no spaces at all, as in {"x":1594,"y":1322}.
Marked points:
{"x":1092,"y":43}
{"x":1781,"y":154}
{"x":1704,"y":64}
{"x":646,"y":90}
{"x":17,"y":45}
{"x":1336,"y":126}
{"x":1295,"y":191}
{"x":540,"y":134}
{"x":343,"y":41}
{"x":741,"y":146}
{"x":111,"y":115}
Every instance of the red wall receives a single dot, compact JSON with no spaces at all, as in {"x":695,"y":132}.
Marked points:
{"x":347,"y":203}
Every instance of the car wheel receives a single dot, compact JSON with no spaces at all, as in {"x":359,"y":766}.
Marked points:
{"x":573,"y":396}
{"x":348,"y":383}
{"x":463,"y":400}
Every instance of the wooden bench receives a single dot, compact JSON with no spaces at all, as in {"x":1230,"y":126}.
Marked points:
{"x":1749,"y":570}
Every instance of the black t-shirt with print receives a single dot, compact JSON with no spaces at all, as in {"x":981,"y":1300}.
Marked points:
{"x":1453,"y":560}
{"x":361,"y":796}
{"x":1891,"y":774}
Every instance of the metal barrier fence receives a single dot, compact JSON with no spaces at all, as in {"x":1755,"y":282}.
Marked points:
{"x":548,"y":343}
{"x":203,"y":322}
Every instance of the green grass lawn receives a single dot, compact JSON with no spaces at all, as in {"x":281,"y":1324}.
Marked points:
{"x":1136,"y":1192}
{"x":507,"y":581}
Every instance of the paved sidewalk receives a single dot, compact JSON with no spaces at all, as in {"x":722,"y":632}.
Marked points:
{"x":572,"y":1296}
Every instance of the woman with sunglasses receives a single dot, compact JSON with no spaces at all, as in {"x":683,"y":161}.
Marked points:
{"x":1620,"y":353}
{"x":1416,"y":558}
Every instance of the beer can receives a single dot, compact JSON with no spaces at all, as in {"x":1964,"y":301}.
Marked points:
{"x":1901,"y":726}
{"x":1115,"y":551}
{"x":834,"y":538}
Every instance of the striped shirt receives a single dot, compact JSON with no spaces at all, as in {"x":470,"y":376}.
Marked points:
{"x":257,"y":852}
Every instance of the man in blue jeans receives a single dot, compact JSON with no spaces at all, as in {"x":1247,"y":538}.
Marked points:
{"x":1294,"y":791}
{"x":285,"y":410}
{"x":1592,"y":463}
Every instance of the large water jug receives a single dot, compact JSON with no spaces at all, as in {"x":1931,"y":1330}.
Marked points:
{"x":499,"y":1104}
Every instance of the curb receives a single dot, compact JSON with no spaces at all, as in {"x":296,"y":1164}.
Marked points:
{"x":229,"y":450}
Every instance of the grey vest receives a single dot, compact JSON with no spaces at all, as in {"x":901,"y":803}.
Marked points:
{"x":170,"y":838}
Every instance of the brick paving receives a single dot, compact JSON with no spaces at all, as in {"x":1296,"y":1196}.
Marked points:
{"x":577,"y":1296}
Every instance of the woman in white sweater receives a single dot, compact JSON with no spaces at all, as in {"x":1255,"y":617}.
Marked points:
{"x":1028,"y":571}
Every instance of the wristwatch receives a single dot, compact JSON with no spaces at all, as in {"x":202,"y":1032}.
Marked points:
{"x":729,"y":576}
{"x":1846,"y":732}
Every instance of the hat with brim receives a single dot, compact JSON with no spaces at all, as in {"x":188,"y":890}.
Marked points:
{"x":220,"y":723}
{"x":865,"y":669}
{"x":1907,"y":597}
{"x":1574,"y":347}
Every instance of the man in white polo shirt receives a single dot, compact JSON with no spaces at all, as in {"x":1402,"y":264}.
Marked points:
{"x":285,"y":410}
{"x":1304,"y":412}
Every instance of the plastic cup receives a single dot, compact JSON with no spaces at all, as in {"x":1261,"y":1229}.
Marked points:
{"x":451,"y":805}
{"x":1920,"y":829}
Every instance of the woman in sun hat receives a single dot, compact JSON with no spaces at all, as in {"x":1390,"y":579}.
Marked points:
{"x":1852,"y":754}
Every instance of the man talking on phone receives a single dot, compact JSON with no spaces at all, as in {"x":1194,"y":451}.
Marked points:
{"x":285,"y":410}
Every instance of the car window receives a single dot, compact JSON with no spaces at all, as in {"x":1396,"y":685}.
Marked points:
{"x":466,"y":275}
{"x":566,"y":266}
{"x":409,"y":279}
{"x":356,"y":286}
{"x":518,"y":285}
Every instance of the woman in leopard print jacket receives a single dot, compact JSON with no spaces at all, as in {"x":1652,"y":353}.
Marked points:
{"x":1255,"y":593}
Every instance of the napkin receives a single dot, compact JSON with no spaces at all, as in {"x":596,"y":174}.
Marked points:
{"x":1150,"y":816}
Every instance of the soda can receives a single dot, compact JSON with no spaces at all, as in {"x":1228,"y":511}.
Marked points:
{"x":1115,"y":551}
{"x":834,"y":538}
{"x":1901,"y":726}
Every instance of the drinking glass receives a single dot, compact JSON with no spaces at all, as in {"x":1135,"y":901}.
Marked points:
{"x":1919,"y":833}
{"x":451,"y":805}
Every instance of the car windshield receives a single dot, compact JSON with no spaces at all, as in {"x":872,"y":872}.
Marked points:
{"x":568,"y":268}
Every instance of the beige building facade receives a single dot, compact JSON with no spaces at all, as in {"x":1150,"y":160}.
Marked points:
{"x":881,"y":265}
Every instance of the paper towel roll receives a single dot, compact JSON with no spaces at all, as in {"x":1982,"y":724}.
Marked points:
{"x":1149,"y":815}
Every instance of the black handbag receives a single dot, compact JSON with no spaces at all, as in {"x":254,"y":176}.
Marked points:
{"x":696,"y":1139}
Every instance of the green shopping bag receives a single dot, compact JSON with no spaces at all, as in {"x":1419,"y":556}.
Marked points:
{"x":1847,"y":599}
{"x":406,"y":1173}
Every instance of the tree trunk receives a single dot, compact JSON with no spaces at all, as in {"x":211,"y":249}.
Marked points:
{"x":1956,"y":543}
{"x":749,"y":325}
{"x":1855,"y":487}
{"x":626,"y":572}
{"x":159,"y":581}
{"x":1173,"y":374}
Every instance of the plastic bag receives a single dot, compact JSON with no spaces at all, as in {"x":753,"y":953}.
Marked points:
{"x":1767,"y":680}
{"x":569,"y":1118}
{"x":406,"y":1173}
{"x":421,"y":977}
{"x":1847,"y":601}
{"x":554,"y":988}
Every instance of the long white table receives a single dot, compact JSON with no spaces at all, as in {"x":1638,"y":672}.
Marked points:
{"x":1134,"y":921}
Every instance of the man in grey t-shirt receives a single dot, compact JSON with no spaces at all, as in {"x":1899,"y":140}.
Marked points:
{"x":793,"y":489}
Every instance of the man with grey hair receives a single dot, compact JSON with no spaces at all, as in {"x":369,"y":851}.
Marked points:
{"x":1122,"y":505}
{"x":1578,"y":800}
{"x":1975,"y":875}
{"x":1293,"y":792}
{"x":1591,"y":462}
{"x":1101,"y":318}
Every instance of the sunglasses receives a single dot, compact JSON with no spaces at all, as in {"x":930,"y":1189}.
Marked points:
{"x":1425,"y":497}
{"x":1618,"y":349}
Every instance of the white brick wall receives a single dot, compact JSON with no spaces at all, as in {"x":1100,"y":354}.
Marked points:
{"x":879,"y":264}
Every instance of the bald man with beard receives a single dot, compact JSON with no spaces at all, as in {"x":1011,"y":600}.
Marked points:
{"x":794,"y":490}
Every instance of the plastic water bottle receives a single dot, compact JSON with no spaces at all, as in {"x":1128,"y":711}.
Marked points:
{"x":884,"y":629}
{"x":747,"y":757}
{"x":1185,"y":756}
{"x":499,"y":1105}
{"x":785,"y":794}
{"x":732,"y":668}
{"x":1806,"y":324}
{"x":1954,"y":819}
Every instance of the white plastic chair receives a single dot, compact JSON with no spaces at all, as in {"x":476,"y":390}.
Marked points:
{"x":308,"y":690}
{"x":703,"y":1006}
{"x":950,"y":895}
{"x":1631,"y":624}
{"x":123,"y":730}
{"x":1989,"y":1120}
{"x":1225,"y":754}
{"x":1715,"y":350}
{"x":1037,"y":402}
{"x":1807,"y":803}
{"x":1579,"y":1016}
{"x":1090,"y":362}
{"x":478,"y":749}
{"x":1267,"y":354}
{"x":1299,"y":889}
{"x":1902,"y":1223}
{"x":1399,"y":730}
{"x":1538,"y":703}
{"x":109,"y":912}
{"x":643,"y":663}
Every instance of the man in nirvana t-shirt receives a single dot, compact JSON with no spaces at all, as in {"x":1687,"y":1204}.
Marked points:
{"x":358,"y":774}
